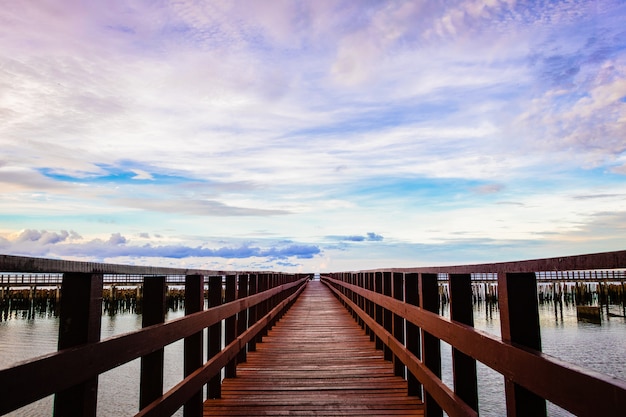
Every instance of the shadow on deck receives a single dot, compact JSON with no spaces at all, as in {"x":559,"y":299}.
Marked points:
{"x":315,"y":361}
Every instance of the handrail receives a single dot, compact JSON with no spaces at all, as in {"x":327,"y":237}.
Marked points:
{"x":565,"y":384}
{"x":378,"y":299}
{"x":454,"y":405}
{"x":171,"y":400}
{"x":602,"y":260}
{"x":37,"y":378}
{"x":12,"y":263}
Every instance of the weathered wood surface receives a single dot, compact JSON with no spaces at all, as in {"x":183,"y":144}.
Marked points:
{"x":315,"y":361}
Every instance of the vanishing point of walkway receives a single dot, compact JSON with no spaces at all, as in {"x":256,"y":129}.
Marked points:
{"x":315,"y":361}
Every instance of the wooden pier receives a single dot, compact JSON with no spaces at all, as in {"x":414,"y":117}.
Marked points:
{"x":315,"y":361}
{"x":355,"y":343}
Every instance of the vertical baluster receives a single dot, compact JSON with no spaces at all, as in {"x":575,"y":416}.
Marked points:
{"x":253,"y":311}
{"x":411,"y":296}
{"x":153,"y":312}
{"x":463,"y":366}
{"x":242,"y":316}
{"x":387,"y":314}
{"x":519,"y":321}
{"x":262,"y":309}
{"x":79,"y":323}
{"x":230,"y":332}
{"x":214,"y":343}
{"x":431,"y":346}
{"x":378,"y":310}
{"x":398,"y":321}
{"x":193,"y":346}
{"x":361,"y":304}
{"x":369,"y":304}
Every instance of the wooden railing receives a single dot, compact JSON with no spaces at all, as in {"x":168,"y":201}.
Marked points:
{"x":247,"y":303}
{"x":399,"y":309}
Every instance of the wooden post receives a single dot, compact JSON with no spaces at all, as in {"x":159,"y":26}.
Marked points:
{"x":193,"y":346}
{"x":242,"y":317}
{"x":387,"y":314}
{"x":369,"y":305}
{"x":463,"y":366}
{"x":252,"y":313}
{"x":79,"y":323}
{"x":431,"y":346}
{"x":361,"y":304}
{"x":154,"y":308}
{"x":519,"y":321}
{"x":398,"y":321}
{"x":230,"y":332}
{"x":411,"y":296}
{"x":214,"y":335}
{"x":263,"y":306}
{"x":378,"y":310}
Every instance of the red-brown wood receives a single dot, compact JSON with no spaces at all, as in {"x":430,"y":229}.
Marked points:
{"x":80,"y":322}
{"x":315,"y":361}
{"x":579,"y":390}
{"x":154,"y":309}
{"x":193,"y":345}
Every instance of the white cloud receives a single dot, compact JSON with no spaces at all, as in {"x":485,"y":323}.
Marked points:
{"x":276,"y":115}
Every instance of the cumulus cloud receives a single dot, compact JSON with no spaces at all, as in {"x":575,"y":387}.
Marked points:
{"x":44,"y":243}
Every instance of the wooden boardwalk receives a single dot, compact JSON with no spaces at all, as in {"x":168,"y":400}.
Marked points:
{"x":315,"y":361}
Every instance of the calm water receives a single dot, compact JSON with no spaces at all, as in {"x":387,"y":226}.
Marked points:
{"x":118,"y":394}
{"x":598,"y":347}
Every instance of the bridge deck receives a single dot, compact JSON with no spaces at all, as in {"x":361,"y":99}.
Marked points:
{"x":315,"y":361}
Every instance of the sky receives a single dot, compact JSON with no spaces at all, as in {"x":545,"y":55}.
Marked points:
{"x":306,"y":136}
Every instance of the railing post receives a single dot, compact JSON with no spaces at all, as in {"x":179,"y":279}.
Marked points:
{"x":463,"y":366}
{"x":253,"y":313}
{"x":194,"y":302}
{"x":378,"y":310}
{"x":153,"y":312}
{"x":230,"y":332}
{"x":214,"y":335}
{"x":369,"y":305}
{"x":431,"y":346}
{"x":519,"y":321}
{"x":361,"y":304}
{"x":387,"y":314}
{"x":242,"y":316}
{"x":411,"y":296}
{"x":79,"y":323}
{"x":398,"y":321}
{"x":262,"y":307}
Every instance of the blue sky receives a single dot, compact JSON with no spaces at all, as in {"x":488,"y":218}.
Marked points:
{"x":312,"y":135}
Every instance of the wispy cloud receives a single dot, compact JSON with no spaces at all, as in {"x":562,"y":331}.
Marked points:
{"x":493,"y":120}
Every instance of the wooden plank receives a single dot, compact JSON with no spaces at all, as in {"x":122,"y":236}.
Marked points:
{"x":316,"y":360}
{"x":576,"y":389}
